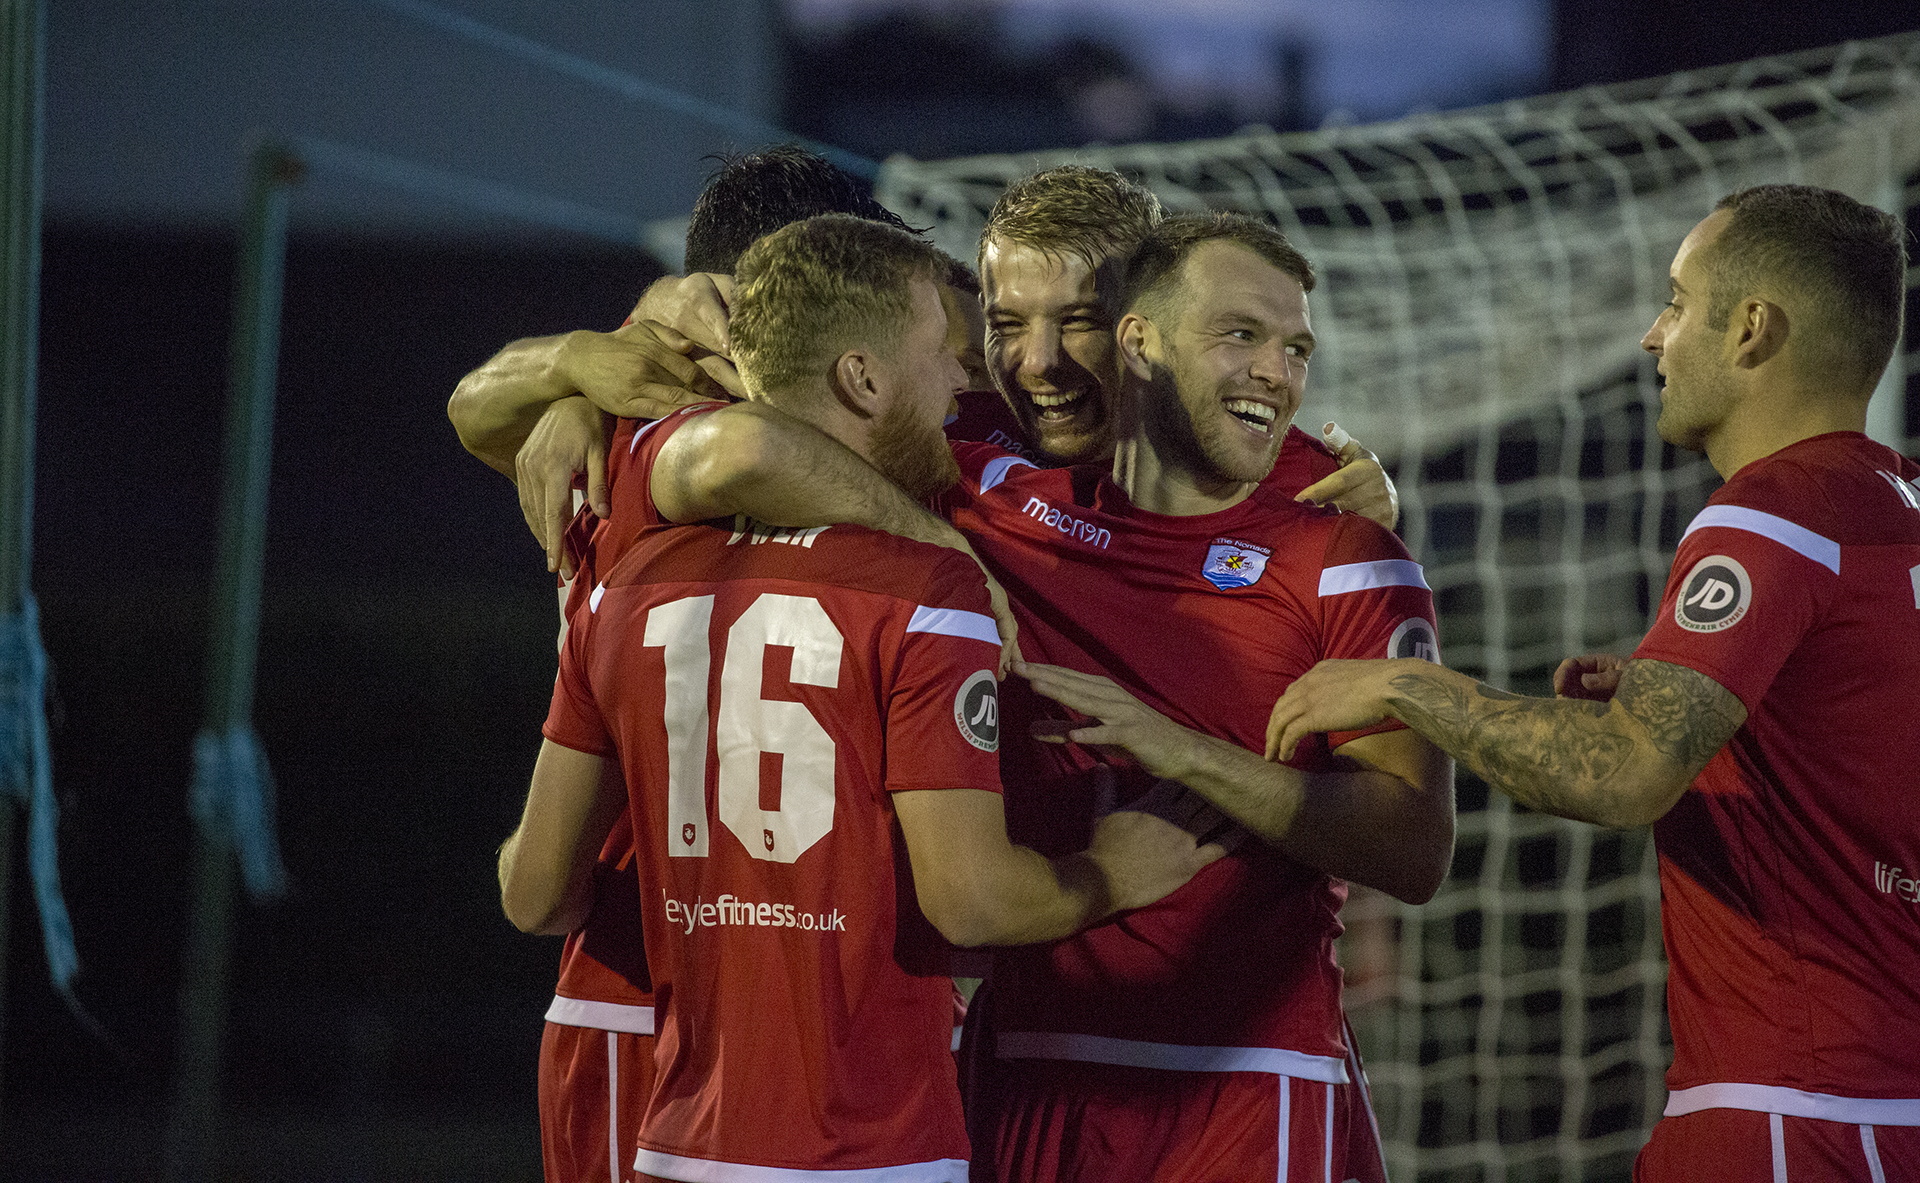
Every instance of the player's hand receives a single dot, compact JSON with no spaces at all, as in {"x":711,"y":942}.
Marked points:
{"x":1361,"y":485}
{"x":570,"y":438}
{"x":1592,"y":676}
{"x":1121,"y":722}
{"x":1332,"y":696}
{"x":641,"y":371}
{"x":696,"y":306}
{"x":1146,"y":858}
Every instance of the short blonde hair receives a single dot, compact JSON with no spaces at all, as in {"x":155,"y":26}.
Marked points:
{"x":810,"y":291}
{"x":1074,"y":209}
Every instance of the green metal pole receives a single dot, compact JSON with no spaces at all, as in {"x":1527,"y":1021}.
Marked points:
{"x":23,"y":67}
{"x":193,"y":1140}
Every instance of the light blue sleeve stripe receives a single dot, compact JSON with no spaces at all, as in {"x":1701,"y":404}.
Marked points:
{"x":1353,"y":577}
{"x":998,"y":468}
{"x":1822,"y":550}
{"x":954,"y":622}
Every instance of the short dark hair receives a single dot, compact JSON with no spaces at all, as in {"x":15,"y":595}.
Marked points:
{"x":1154,"y":273}
{"x":753,"y":195}
{"x":1073,"y":209}
{"x":1840,"y":263}
{"x":960,"y":276}
{"x":809,"y":291}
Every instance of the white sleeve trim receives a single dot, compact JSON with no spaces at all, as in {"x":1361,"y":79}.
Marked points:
{"x":1353,"y":577}
{"x":602,"y":1016}
{"x":1134,"y":1053}
{"x":1822,"y":550}
{"x":1773,"y":1098}
{"x":711,"y":1170}
{"x":954,"y":622}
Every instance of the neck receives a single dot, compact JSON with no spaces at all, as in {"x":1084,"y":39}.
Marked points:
{"x":1159,"y":487}
{"x":1779,"y":420}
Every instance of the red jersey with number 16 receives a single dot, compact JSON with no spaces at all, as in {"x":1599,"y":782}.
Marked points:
{"x":765,"y":692}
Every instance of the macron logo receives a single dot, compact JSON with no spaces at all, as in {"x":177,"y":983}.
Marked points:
{"x":1073,"y":528}
{"x":1895,"y":881}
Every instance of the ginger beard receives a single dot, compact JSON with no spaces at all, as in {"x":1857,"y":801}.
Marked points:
{"x":906,"y":442}
{"x":912,"y":452}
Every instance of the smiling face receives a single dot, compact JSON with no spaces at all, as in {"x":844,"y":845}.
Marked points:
{"x":1050,"y":348}
{"x":1700,"y":391}
{"x":1229,"y":365}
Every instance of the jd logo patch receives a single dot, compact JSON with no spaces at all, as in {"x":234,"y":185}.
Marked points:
{"x":1415,"y":638}
{"x":976,"y":711}
{"x":1231,"y":563}
{"x":1714,"y":596}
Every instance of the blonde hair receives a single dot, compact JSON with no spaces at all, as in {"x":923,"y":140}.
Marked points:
{"x":810,"y":291}
{"x":1093,"y":213}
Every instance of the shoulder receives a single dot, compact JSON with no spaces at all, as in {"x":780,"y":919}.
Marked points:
{"x":1811,"y":499}
{"x":1361,"y":555}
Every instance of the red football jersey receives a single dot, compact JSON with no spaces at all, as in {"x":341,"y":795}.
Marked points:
{"x":603,"y":966}
{"x":1206,"y":619}
{"x":1788,"y":870}
{"x":765,"y":692}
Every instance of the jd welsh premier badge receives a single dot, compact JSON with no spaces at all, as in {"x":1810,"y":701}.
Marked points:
{"x":1232,"y":563}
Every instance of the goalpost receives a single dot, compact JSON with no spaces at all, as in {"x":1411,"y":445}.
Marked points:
{"x":1486,"y":276}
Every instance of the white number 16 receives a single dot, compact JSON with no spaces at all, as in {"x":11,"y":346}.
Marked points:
{"x":748,"y":725}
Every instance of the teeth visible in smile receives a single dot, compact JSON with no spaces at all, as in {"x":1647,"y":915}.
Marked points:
{"x":1053,"y":400}
{"x":1258,"y":413}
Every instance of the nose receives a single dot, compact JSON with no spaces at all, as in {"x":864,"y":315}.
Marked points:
{"x":1039,"y":354}
{"x":1655,"y":338}
{"x":1273,"y":366}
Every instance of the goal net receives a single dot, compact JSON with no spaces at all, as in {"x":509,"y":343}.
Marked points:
{"x":1486,"y":276}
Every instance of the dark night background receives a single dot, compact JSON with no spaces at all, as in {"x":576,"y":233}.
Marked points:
{"x":384,"y":1017}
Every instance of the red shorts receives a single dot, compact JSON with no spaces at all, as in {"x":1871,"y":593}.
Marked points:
{"x":1100,"y":1123}
{"x":1742,"y":1145}
{"x":593,"y":1092}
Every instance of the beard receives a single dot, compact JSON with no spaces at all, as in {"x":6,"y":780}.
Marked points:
{"x":1204,"y":448}
{"x":912,"y":452}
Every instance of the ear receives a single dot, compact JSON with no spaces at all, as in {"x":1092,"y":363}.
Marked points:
{"x":1763,"y":329}
{"x":1137,"y":338}
{"x":857,"y":383}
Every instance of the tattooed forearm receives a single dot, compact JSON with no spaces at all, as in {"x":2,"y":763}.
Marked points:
{"x":1575,"y":757}
{"x":1544,"y":753}
{"x":1688,"y":716}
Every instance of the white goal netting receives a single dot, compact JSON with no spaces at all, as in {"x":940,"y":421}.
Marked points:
{"x":1485,"y":278}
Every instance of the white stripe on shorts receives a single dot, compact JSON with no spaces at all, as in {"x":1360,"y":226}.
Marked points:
{"x":1286,"y":1126}
{"x":1776,"y":1129}
{"x":613,"y":1108}
{"x":1870,"y":1147}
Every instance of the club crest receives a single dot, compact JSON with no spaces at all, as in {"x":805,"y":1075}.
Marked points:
{"x":1232,"y":563}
